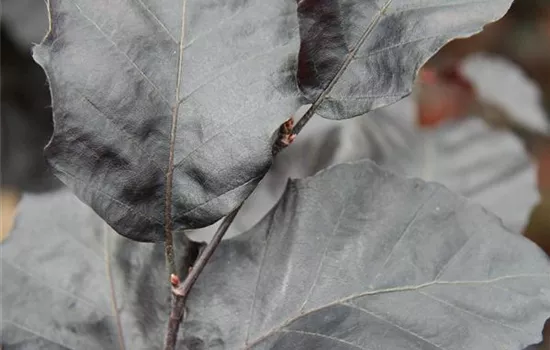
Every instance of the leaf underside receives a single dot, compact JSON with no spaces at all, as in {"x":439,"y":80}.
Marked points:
{"x":353,"y":258}
{"x":166,"y":111}
{"x":359,"y":258}
{"x":357,"y":56}
{"x":68,"y":282}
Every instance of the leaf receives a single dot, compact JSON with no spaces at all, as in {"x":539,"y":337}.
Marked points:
{"x":443,"y":95}
{"x":165,"y":112}
{"x":467,"y":156}
{"x":54,"y":291}
{"x":538,"y":227}
{"x":359,"y":258}
{"x":69,"y":282}
{"x":65,"y":272}
{"x":543,"y":166}
{"x":376,"y":47}
{"x":138,"y":93}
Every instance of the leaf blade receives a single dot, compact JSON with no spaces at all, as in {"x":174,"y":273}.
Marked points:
{"x":150,"y":158}
{"x":473,"y":267}
{"x":131,"y":50}
{"x":455,"y":260}
{"x":51,"y":299}
{"x":373,"y":31}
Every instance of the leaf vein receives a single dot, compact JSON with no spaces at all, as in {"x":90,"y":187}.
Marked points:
{"x":321,"y":336}
{"x":122,"y":52}
{"x":224,"y":129}
{"x":449,"y":4}
{"x":262,"y":263}
{"x":229,"y":69}
{"x":365,"y":97}
{"x":445,"y":302}
{"x":37,"y":334}
{"x":127,"y":206}
{"x":325,"y":251}
{"x":398,"y":45}
{"x":157,"y":20}
{"x":408,"y":331}
{"x":403,"y":234}
{"x":172,"y":145}
{"x":454,"y":257}
{"x":218,"y":25}
{"x":222,"y":194}
{"x":349,"y":58}
{"x":41,"y":281}
{"x":399,"y":289}
{"x":130,"y":136}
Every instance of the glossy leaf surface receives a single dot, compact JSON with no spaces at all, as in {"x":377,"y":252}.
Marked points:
{"x":355,"y":257}
{"x":358,"y":258}
{"x":165,"y":111}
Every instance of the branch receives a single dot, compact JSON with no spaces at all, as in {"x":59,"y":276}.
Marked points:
{"x":176,"y":315}
{"x":184,"y":288}
{"x":191,"y":252}
{"x":169,"y":253}
{"x":288,"y":131}
{"x":180,"y":290}
{"x":303,"y":121}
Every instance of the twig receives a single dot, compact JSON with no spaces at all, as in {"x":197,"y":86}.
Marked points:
{"x":191,"y":251}
{"x":176,"y":314}
{"x":180,"y":290}
{"x":169,"y":253}
{"x":303,"y":120}
{"x":184,"y":288}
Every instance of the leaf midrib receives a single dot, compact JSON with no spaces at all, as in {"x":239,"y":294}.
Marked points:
{"x":349,"y":58}
{"x":392,"y":290}
{"x":173,"y":130}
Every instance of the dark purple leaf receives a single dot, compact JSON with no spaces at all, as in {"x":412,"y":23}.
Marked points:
{"x":166,"y":112}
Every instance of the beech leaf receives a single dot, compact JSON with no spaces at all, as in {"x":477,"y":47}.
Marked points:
{"x":354,"y":257}
{"x":359,"y":258}
{"x":55,"y":290}
{"x":166,"y":111}
{"x":356,"y":56}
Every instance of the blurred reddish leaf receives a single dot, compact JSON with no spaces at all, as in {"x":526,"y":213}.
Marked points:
{"x":522,"y":36}
{"x":543,"y":174}
{"x":545,"y":343}
{"x":442,"y":95}
{"x":538,"y":228}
